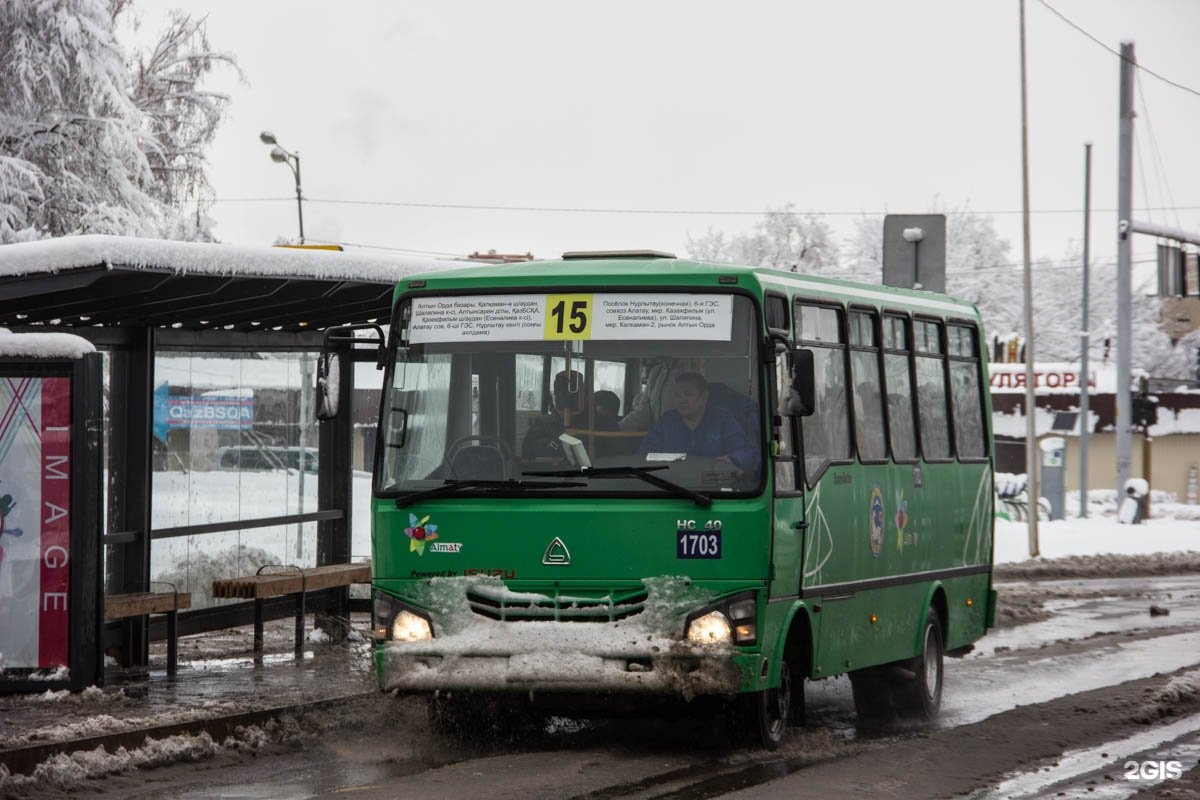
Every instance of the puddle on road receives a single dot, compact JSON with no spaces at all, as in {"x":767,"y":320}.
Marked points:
{"x":1085,"y":769}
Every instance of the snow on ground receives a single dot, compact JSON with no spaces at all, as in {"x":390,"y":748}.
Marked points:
{"x":1180,"y":694}
{"x":67,"y":770}
{"x":1172,"y":528}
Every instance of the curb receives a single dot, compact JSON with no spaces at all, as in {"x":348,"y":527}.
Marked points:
{"x":24,"y":760}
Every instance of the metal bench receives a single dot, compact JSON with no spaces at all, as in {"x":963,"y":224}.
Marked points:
{"x":141,"y":604}
{"x":295,"y":580}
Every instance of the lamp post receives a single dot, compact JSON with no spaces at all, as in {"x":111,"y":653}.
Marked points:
{"x":915,"y":236}
{"x":278,"y":154}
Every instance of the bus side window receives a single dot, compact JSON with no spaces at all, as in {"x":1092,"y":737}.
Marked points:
{"x":901,"y":425}
{"x":827,"y":431}
{"x":965,"y":392}
{"x":864,"y":372}
{"x":931,"y":390}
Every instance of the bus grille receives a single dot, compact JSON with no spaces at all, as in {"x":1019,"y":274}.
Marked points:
{"x":558,"y":607}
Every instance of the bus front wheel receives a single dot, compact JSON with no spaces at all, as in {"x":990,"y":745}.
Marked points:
{"x":761,"y":718}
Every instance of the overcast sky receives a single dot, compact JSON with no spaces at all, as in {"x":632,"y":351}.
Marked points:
{"x":842,"y":107}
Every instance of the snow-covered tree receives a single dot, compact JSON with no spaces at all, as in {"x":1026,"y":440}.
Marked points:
{"x":182,"y":116}
{"x":781,"y":239}
{"x":79,"y":146}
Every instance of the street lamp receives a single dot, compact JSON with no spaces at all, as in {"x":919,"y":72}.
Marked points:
{"x":278,"y":154}
{"x":915,"y":236}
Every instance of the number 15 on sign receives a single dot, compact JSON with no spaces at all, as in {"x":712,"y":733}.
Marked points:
{"x":568,"y":316}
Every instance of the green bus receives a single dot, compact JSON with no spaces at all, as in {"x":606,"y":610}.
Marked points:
{"x":623,"y":476}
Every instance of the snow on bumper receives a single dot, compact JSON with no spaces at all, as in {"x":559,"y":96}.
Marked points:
{"x":541,"y":656}
{"x":643,"y":652}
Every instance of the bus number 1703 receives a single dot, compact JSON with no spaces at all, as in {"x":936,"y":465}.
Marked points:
{"x":698,"y":544}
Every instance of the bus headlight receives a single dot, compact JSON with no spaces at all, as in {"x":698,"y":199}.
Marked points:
{"x":398,"y":621}
{"x":408,"y":627}
{"x":711,"y":628}
{"x":731,"y":621}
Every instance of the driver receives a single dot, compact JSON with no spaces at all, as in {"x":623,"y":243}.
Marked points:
{"x":541,"y":441}
{"x":700,"y":429}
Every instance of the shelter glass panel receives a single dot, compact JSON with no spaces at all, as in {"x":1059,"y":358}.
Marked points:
{"x":235,"y":439}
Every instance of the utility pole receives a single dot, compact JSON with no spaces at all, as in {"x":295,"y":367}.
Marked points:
{"x":1124,"y":269}
{"x":1031,"y":448}
{"x":1084,"y":340}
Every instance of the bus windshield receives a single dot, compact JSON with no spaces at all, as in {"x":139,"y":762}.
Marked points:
{"x":514,"y":393}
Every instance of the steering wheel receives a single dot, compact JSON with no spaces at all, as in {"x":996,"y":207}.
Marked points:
{"x":506,"y":452}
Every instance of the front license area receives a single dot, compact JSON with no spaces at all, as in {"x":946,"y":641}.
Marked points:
{"x":697,"y":544}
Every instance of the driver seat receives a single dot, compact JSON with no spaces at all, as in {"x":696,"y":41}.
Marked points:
{"x":477,"y":462}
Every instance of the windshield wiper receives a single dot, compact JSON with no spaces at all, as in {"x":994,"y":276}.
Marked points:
{"x":644,"y":473}
{"x":451,"y":486}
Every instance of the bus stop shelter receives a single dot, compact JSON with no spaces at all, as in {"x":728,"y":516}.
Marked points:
{"x":179,"y":422}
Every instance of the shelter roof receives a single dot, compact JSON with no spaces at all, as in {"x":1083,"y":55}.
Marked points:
{"x":87,"y":281}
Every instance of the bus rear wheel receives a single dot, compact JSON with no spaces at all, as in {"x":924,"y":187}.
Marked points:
{"x":920,"y":697}
{"x":761,"y":718}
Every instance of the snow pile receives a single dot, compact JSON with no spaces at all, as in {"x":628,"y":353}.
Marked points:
{"x":1105,"y":565}
{"x":1009,"y":484}
{"x":1097,"y":536}
{"x":101,"y":724}
{"x":43,"y":345}
{"x":89,"y":696}
{"x":66,"y":771}
{"x":62,"y":673}
{"x":1181,"y":693}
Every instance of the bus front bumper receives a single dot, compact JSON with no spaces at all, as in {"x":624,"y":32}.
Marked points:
{"x":654,"y":667}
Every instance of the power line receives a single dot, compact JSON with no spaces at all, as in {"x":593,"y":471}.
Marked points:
{"x":1117,"y":53}
{"x":668,"y":211}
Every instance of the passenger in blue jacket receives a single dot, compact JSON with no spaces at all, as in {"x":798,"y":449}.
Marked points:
{"x":700,"y":429}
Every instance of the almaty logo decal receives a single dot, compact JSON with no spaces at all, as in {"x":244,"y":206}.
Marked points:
{"x":419,"y":532}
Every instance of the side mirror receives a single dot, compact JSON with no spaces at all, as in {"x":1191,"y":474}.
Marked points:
{"x":329,"y":378}
{"x":801,"y":399}
{"x":336,"y":341}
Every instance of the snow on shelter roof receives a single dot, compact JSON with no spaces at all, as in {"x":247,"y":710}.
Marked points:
{"x":43,"y":345}
{"x":114,"y":280}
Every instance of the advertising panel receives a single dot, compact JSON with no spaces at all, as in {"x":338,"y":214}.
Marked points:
{"x":35,"y":521}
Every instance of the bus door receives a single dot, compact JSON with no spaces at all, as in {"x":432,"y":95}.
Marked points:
{"x":788,"y":528}
{"x":843,"y":508}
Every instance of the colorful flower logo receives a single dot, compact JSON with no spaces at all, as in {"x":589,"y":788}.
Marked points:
{"x":419,"y":532}
{"x":901,"y":518}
